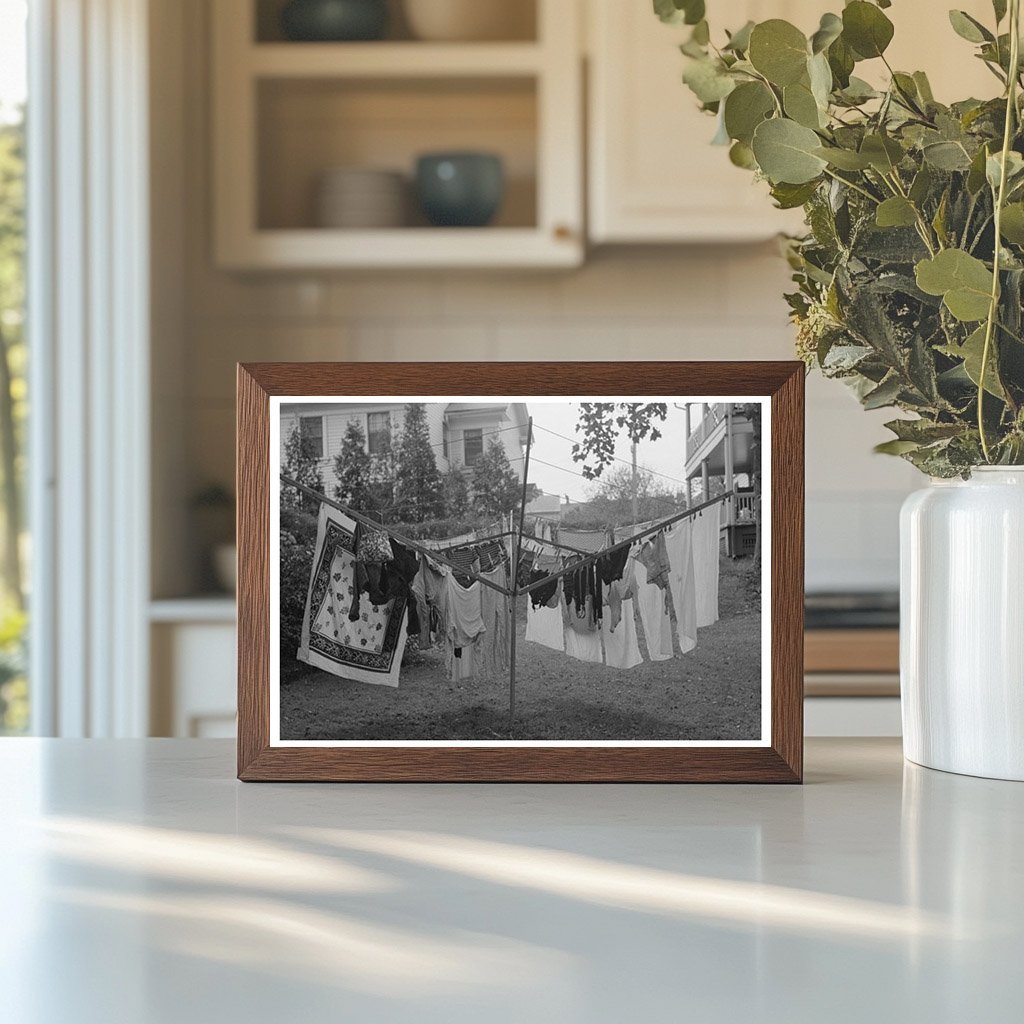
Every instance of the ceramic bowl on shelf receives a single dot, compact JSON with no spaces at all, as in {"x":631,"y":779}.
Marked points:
{"x":460,"y":189}
{"x":361,"y":198}
{"x":332,"y":21}
{"x":469,"y":20}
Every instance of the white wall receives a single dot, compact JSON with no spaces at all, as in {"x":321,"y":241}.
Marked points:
{"x":701,"y":303}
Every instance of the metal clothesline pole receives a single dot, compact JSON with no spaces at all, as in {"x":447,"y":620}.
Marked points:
{"x":518,"y":549}
{"x":405,"y":541}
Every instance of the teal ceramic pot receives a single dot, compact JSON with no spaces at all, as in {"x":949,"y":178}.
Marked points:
{"x":461,"y":190}
{"x":331,"y":21}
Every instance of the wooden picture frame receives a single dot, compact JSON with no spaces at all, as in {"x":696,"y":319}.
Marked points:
{"x":780,"y":385}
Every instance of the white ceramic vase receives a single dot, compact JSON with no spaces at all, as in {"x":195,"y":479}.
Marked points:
{"x":962,"y":624}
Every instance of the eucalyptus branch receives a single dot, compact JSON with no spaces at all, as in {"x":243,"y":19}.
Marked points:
{"x":850,"y":184}
{"x":1000,"y":199}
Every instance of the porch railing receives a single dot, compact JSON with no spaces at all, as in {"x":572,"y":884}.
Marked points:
{"x":742,"y":509}
{"x":709,"y":422}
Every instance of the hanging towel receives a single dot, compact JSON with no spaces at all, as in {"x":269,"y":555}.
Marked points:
{"x":654,"y":616}
{"x":582,"y":638}
{"x":464,"y":616}
{"x":679,"y":545}
{"x":368,"y":650}
{"x":621,"y":648}
{"x":493,"y":647}
{"x":544,"y":623}
{"x":706,"y":564}
{"x":584,"y":540}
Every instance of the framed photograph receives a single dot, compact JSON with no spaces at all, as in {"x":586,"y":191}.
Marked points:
{"x":520,"y":572}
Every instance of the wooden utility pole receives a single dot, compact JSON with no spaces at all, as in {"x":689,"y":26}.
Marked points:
{"x":636,"y":516}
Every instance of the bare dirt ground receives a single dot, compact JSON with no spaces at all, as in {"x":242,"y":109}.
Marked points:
{"x":713,"y":692}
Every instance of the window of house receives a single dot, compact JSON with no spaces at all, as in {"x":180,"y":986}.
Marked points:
{"x":311,"y":430}
{"x":472,"y":445}
{"x":378,"y":432}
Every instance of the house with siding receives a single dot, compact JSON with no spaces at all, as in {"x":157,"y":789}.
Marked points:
{"x":459,"y":431}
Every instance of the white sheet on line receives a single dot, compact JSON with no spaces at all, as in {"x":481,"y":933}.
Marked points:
{"x":707,"y":546}
{"x":621,"y":648}
{"x":679,"y":543}
{"x":544,"y":625}
{"x":654,"y":616}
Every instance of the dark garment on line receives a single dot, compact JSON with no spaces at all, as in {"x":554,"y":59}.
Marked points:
{"x":542,"y":595}
{"x":613,"y":565}
{"x":578,"y":586}
{"x":384,"y":581}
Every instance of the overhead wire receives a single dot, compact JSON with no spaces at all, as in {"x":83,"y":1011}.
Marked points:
{"x":616,"y":458}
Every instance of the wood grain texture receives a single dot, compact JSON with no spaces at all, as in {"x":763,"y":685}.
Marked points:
{"x":783,"y":382}
{"x":852,"y":650}
{"x":252,"y":482}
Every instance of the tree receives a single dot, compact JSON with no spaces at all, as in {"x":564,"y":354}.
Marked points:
{"x":455,"y":493}
{"x":611,"y":499}
{"x":302,"y":465}
{"x":496,"y":487}
{"x":366,"y":482}
{"x":352,"y":469}
{"x":600,"y":423}
{"x":417,"y":481}
{"x":12,"y":350}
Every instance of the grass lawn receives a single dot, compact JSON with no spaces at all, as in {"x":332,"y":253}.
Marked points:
{"x":713,"y":692}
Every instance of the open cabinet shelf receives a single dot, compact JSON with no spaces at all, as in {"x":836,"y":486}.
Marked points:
{"x":394,"y":59}
{"x":286,"y":114}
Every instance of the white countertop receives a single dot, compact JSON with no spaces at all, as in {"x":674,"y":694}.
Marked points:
{"x":143,"y":885}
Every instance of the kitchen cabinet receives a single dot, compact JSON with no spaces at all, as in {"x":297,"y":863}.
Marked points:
{"x":286,"y":113}
{"x":653,"y":175}
{"x":193,"y":665}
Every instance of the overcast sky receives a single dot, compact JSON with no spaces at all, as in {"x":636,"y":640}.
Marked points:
{"x":663,"y":456}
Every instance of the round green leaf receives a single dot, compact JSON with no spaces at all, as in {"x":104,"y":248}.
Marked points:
{"x":785,"y":152}
{"x":778,"y":50}
{"x":895,"y":212}
{"x":866,"y":29}
{"x":674,"y":12}
{"x":742,"y":156}
{"x":740,"y":39}
{"x":963,"y":281}
{"x":882,"y":152}
{"x":829,"y":30}
{"x":800,"y":105}
{"x":1012,"y":224}
{"x":708,"y":81}
{"x":747,"y":106}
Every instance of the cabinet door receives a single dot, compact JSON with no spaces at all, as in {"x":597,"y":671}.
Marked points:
{"x":654,"y":175}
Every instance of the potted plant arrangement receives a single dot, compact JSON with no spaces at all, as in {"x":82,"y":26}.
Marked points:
{"x":908,"y":288}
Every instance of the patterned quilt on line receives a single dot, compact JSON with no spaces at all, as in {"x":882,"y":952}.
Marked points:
{"x":368,"y":650}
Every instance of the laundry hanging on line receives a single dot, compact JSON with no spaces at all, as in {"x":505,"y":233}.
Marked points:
{"x":367,"y":650}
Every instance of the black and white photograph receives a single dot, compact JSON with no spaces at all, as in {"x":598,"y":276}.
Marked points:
{"x":487,"y":571}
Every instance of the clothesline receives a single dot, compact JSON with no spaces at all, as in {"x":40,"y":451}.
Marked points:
{"x":584,"y":562}
{"x":616,"y":458}
{"x":660,"y":525}
{"x":419,"y":548}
